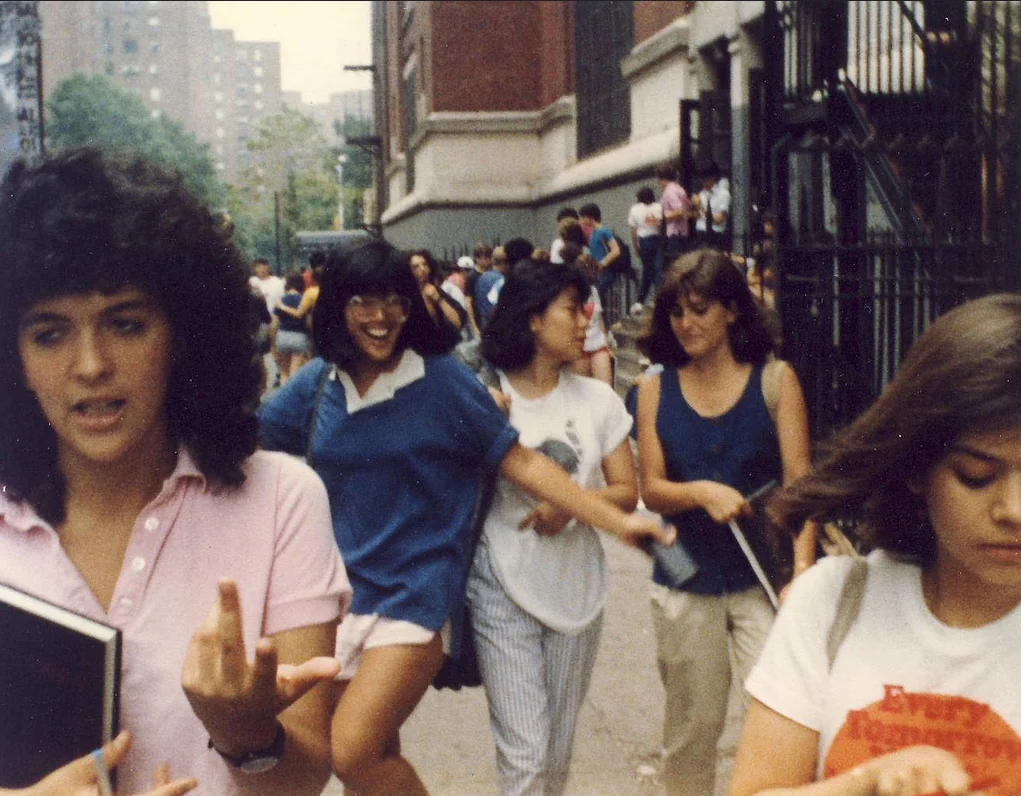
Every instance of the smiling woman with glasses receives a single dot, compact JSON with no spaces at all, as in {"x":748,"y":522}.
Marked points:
{"x":403,"y":437}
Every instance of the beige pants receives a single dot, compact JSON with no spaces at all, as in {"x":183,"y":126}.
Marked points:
{"x":699,"y":639}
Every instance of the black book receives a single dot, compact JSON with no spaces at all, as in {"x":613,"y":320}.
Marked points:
{"x":59,"y":674}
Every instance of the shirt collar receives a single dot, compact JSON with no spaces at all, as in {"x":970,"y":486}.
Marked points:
{"x":22,"y":517}
{"x":410,"y":369}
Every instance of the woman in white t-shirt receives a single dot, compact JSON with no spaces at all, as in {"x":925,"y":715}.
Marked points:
{"x":539,"y":581}
{"x":921,"y":694}
{"x":644,"y":219}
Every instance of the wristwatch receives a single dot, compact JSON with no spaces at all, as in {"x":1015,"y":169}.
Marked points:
{"x":260,"y":760}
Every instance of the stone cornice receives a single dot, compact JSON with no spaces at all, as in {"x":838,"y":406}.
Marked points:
{"x":672,"y":40}
{"x":559,"y":111}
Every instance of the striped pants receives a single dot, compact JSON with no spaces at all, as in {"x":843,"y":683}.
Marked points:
{"x":535,"y":679}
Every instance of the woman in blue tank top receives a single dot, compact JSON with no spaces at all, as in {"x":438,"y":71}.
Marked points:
{"x":705,"y":440}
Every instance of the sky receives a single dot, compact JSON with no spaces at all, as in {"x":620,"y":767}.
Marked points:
{"x":317,"y":40}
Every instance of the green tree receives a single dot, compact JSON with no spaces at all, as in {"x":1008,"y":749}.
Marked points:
{"x":290,"y":185}
{"x":92,"y":110}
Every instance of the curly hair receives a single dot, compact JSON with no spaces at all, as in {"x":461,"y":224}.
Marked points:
{"x":83,"y":221}
{"x":508,"y":341}
{"x":962,"y":376}
{"x":711,"y":275}
{"x":435,"y":274}
{"x":372,"y":269}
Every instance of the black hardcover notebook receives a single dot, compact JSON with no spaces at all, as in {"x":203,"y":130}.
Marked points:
{"x":59,"y":674}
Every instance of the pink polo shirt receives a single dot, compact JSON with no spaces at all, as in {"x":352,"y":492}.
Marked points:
{"x":676,"y":198}
{"x":272,"y":535}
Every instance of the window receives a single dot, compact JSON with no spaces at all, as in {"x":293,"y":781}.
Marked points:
{"x":130,"y":46}
{"x":258,"y":88}
{"x":154,"y":94}
{"x":219,"y":132}
{"x":241,"y":55}
{"x":603,"y":36}
{"x":155,"y":114}
{"x":258,"y":55}
{"x":258,"y":105}
{"x":153,"y":69}
{"x":217,"y":59}
{"x":154,"y":22}
{"x":219,"y":114}
{"x":218,"y":96}
{"x":257,"y":71}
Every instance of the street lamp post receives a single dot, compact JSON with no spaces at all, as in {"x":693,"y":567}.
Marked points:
{"x":341,"y":160}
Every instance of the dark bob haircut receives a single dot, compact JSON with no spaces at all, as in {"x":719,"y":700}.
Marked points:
{"x":508,"y":341}
{"x":82,"y":222}
{"x":962,"y":376}
{"x":708,"y":274}
{"x":374,"y":268}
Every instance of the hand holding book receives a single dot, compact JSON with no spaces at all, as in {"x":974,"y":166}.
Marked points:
{"x":237,"y":700}
{"x":83,"y":776}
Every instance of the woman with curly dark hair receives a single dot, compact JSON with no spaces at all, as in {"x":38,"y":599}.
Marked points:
{"x":403,"y":436}
{"x":132,"y":489}
{"x":707,"y":438}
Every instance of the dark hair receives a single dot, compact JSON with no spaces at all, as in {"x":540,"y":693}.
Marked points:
{"x":666,"y":171}
{"x":710,"y":274}
{"x":571,"y":232}
{"x":317,"y":258}
{"x":508,"y":341}
{"x":434,"y":266}
{"x":82,"y":221}
{"x":961,"y":376}
{"x":566,"y":212}
{"x":294,"y":281}
{"x":645,"y":195}
{"x":483,"y":250}
{"x":374,"y":268}
{"x":518,"y":249}
{"x":710,"y":168}
{"x":590,"y":210}
{"x":260,"y":261}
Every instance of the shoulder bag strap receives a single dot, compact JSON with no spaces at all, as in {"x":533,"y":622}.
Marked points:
{"x":324,"y":377}
{"x":848,"y":606}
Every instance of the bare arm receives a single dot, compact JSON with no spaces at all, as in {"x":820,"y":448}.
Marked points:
{"x":796,"y":456}
{"x":544,"y":480}
{"x":613,"y":252}
{"x":777,"y":757}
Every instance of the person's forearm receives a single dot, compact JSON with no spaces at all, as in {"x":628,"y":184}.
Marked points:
{"x":544,"y":480}
{"x":671,"y":497}
{"x":860,"y":781}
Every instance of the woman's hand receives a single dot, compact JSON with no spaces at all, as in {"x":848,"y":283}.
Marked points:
{"x":238,"y":701}
{"x":723,"y":503}
{"x":915,"y":771}
{"x":430,"y":293}
{"x":82,"y":778}
{"x":639,"y":529}
{"x":546,"y":520}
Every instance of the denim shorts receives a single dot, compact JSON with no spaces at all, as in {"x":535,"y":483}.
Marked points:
{"x":293,"y":343}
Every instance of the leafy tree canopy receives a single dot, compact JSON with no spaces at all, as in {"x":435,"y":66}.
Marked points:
{"x":92,"y":110}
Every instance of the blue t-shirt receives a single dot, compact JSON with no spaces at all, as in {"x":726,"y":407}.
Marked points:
{"x":739,"y":448}
{"x":599,"y":243}
{"x":289,"y":323}
{"x":403,"y":476}
{"x":487,"y":291}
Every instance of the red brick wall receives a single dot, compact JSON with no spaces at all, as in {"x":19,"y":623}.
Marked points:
{"x":651,"y":16}
{"x":486,"y":56}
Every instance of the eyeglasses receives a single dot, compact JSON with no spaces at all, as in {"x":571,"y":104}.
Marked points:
{"x":391,"y":305}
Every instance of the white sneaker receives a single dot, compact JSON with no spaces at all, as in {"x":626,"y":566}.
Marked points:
{"x":636,"y":308}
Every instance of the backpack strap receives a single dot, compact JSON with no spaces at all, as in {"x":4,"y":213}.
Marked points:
{"x":324,"y":377}
{"x":848,"y":606}
{"x":772,"y":371}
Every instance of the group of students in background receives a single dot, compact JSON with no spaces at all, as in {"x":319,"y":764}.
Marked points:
{"x":283,"y":619}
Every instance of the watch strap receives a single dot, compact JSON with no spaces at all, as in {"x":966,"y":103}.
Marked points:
{"x":260,"y":759}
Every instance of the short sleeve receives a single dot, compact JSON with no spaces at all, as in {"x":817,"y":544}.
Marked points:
{"x":285,"y":415}
{"x":481,"y":432}
{"x":308,"y":583}
{"x":791,"y":673}
{"x":616,"y":420}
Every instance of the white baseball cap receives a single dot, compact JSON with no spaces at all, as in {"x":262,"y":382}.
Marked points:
{"x":466,"y":262}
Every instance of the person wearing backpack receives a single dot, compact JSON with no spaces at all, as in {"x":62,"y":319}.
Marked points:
{"x":603,"y":247}
{"x":706,"y":441}
{"x":922,"y":696}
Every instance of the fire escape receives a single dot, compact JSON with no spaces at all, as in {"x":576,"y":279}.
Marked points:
{"x":895,"y":132}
